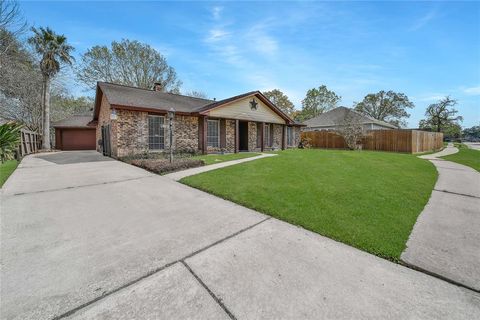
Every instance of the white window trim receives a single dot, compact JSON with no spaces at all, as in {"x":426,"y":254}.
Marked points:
{"x":164,"y":135}
{"x":292,"y":133}
{"x":266,"y":135}
{"x":218,"y":131}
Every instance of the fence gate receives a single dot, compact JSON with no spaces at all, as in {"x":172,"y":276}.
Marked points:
{"x":106,"y":147}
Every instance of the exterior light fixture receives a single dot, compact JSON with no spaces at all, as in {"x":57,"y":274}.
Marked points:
{"x":171,"y":117}
{"x":253,"y":104}
{"x":113,"y":114}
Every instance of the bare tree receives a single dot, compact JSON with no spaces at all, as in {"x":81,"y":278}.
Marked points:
{"x":196,"y":94}
{"x":351,"y":129}
{"x":127,"y":62}
{"x":11,"y":20}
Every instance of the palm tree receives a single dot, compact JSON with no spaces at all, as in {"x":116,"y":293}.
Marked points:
{"x":54,"y":50}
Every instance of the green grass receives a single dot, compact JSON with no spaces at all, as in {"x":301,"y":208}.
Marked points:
{"x":369,"y":200}
{"x":217,"y":158}
{"x":465,"y":156}
{"x":6,"y":169}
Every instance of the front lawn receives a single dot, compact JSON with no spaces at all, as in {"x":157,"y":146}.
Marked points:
{"x":217,"y":158}
{"x":369,"y":200}
{"x":465,"y":156}
{"x":6,"y":169}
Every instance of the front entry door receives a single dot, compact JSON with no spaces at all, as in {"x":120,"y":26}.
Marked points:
{"x":243,"y":135}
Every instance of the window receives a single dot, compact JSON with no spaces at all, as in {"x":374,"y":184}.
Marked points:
{"x":156,"y":133}
{"x":267,"y":135}
{"x":289,"y":136}
{"x":213,"y":133}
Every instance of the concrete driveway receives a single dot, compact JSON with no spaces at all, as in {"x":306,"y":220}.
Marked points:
{"x":99,"y":239}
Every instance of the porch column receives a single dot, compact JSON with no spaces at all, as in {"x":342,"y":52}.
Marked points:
{"x":284,"y":133}
{"x":262,"y":144}
{"x":237,"y":136}
{"x":204,"y":135}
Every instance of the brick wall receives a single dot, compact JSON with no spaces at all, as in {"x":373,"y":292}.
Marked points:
{"x":132,"y":132}
{"x":230,"y":136}
{"x":185,"y":137}
{"x":252,"y":136}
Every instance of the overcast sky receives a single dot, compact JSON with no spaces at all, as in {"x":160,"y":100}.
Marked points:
{"x":426,"y":50}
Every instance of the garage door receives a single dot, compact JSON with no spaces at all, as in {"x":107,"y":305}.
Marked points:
{"x":78,"y":139}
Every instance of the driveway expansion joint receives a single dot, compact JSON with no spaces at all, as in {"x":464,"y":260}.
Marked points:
{"x":81,"y":186}
{"x":151,"y":273}
{"x":210,"y":292}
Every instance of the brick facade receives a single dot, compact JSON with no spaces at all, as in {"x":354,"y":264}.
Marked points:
{"x":129,"y":133}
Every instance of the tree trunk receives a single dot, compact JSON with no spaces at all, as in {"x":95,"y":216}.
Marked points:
{"x":46,"y":112}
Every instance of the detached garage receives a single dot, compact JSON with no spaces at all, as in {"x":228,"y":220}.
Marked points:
{"x":75,"y":133}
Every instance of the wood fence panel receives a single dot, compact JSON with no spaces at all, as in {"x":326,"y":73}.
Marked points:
{"x":29,"y":142}
{"x":409,"y":141}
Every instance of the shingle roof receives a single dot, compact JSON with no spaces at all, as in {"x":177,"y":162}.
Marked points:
{"x":220,"y":102}
{"x":137,"y":97}
{"x":76,"y":121}
{"x":336,"y":116}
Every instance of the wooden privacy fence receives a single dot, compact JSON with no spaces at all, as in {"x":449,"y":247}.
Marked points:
{"x":410,"y":141}
{"x":29,"y":142}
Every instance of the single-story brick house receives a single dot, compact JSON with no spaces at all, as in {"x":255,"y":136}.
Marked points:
{"x":132,"y":120}
{"x":331,"y":120}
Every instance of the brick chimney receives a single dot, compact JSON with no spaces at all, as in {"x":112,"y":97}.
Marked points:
{"x":157,"y":86}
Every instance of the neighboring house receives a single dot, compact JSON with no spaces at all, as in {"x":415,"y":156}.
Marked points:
{"x":134,"y":120}
{"x":333,"y":119}
{"x":77,"y":132}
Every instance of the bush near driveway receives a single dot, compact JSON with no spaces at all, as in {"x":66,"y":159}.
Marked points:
{"x":163,"y":166}
{"x":367,"y":199}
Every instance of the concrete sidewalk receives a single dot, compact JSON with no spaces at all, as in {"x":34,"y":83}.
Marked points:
{"x":176,"y":176}
{"x":105,"y":240}
{"x":446,"y":237}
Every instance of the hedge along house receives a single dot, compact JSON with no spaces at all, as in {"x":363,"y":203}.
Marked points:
{"x":133,"y":121}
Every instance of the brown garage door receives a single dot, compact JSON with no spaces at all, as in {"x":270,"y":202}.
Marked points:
{"x":78,"y":139}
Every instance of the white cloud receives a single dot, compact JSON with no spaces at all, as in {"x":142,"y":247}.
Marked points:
{"x":216,"y":12}
{"x":424,"y":20}
{"x":474,"y":91}
{"x":217,"y":34}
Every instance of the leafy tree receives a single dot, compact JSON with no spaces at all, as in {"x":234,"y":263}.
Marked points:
{"x":387,"y":106}
{"x":196,"y":94}
{"x":452,"y":131}
{"x":54,"y":51}
{"x":317,"y":101}
{"x":440,"y":115}
{"x":127,"y":62}
{"x":472,"y":133}
{"x":65,"y":105}
{"x":281,"y":100}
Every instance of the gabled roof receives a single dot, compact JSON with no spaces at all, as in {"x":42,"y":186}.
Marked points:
{"x":75,"y":121}
{"x":257,"y":94}
{"x":126,"y":97}
{"x":336,"y":116}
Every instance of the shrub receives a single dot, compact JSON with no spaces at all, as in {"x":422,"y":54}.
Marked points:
{"x":9,"y":140}
{"x":163,"y":166}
